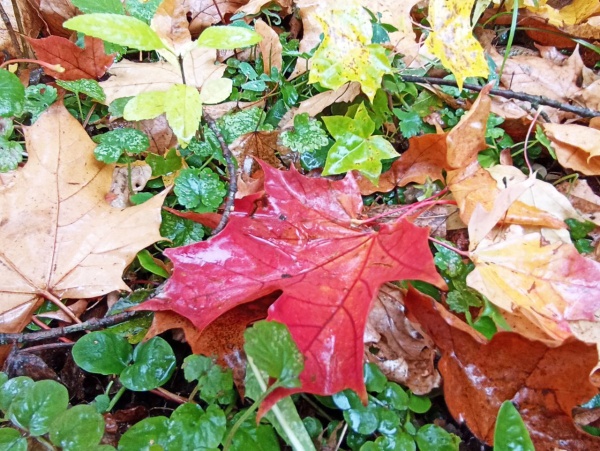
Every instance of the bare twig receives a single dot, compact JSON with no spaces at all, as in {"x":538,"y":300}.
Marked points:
{"x":11,"y":31}
{"x":93,"y":324}
{"x":230,"y":170}
{"x":508,"y":94}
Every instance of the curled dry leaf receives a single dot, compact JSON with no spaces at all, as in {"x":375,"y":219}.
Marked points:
{"x":577,"y":147}
{"x":583,"y":199}
{"x":544,"y":383}
{"x":402,"y":354}
{"x":60,"y":238}
{"x":270,"y":46}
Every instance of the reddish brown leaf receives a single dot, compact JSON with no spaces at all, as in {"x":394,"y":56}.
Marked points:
{"x":303,"y":241}
{"x":544,"y":383}
{"x":90,"y":62}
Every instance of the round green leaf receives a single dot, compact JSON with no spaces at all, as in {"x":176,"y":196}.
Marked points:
{"x":433,"y":438}
{"x":12,"y":388}
{"x":36,"y":408}
{"x":11,"y":440}
{"x":510,"y":433}
{"x":12,"y":99}
{"x":196,"y":429}
{"x":118,"y":29}
{"x":102,"y":352}
{"x":146,"y":435}
{"x":419,"y":404}
{"x":78,"y":428}
{"x":394,"y":396}
{"x":153,"y":365}
{"x":375,"y":380}
{"x":228,"y":37}
{"x":11,"y":154}
{"x":363,"y":420}
{"x":198,"y":188}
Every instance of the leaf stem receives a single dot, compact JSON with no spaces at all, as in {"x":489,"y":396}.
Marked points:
{"x":447,"y":246}
{"x":54,"y":67}
{"x":116,"y":398}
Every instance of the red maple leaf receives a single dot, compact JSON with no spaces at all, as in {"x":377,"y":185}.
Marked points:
{"x":89,"y":62}
{"x":300,"y":238}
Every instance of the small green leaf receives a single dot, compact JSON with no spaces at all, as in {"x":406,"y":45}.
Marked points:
{"x":171,"y":162}
{"x":355,"y":148}
{"x":411,"y":123}
{"x":183,"y":109}
{"x":510,"y":433}
{"x":146,"y":105}
{"x":118,"y":29}
{"x":102,"y":352}
{"x":11,"y":154}
{"x":142,"y":9}
{"x":147,"y":262}
{"x":140,"y":198}
{"x":363,"y":420}
{"x":150,"y":434}
{"x":307,"y":135}
{"x":11,"y":440}
{"x":375,"y":380}
{"x":116,"y":142}
{"x":346,"y":399}
{"x":180,"y":231}
{"x":237,"y":124}
{"x":253,"y":436}
{"x":90,"y":88}
{"x":228,"y":37}
{"x":433,"y":438}
{"x":199,"y":188}
{"x":214,"y":382}
{"x":394,"y":396}
{"x":12,"y":100}
{"x":38,"y":98}
{"x":418,"y":404}
{"x":12,"y":388}
{"x":196,"y":429}
{"x":36,"y":408}
{"x":153,"y":365}
{"x":78,"y":428}
{"x":579,"y":229}
{"x":273,"y":350}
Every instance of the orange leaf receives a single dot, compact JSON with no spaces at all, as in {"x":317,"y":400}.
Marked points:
{"x":544,"y":383}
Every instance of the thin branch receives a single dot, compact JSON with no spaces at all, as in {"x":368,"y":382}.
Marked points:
{"x":508,"y":94}
{"x":230,"y":170}
{"x":93,"y":324}
{"x":11,"y":31}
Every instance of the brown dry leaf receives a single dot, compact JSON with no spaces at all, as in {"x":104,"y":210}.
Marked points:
{"x":261,"y":145}
{"x":171,"y":25}
{"x":316,"y":104}
{"x":30,"y":20}
{"x":473,"y":185}
{"x":204,"y":13}
{"x":54,"y":13}
{"x":577,"y":147}
{"x":402,"y":354}
{"x":137,"y":175}
{"x":467,"y":138}
{"x":254,"y":7}
{"x":545,"y":384}
{"x":583,"y":199}
{"x":60,"y":238}
{"x":425,"y":158}
{"x":270,"y":46}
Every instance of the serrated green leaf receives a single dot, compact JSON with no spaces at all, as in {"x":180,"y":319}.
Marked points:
{"x":118,"y":29}
{"x":147,"y":105}
{"x":153,"y":365}
{"x":355,"y":148}
{"x":90,"y":88}
{"x":246,"y":121}
{"x":411,"y":123}
{"x":214,"y":382}
{"x":12,"y":99}
{"x":198,"y":430}
{"x":199,"y":188}
{"x":273,"y":350}
{"x":180,"y":231}
{"x":142,"y":9}
{"x":102,"y":352}
{"x":171,"y":162}
{"x":78,"y":428}
{"x":228,"y":37}
{"x":183,"y":108}
{"x":99,"y":6}
{"x":11,"y":154}
{"x":307,"y":135}
{"x":35,"y":408}
{"x":116,"y":142}
{"x":510,"y":433}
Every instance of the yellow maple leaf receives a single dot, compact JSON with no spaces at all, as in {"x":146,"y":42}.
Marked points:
{"x":452,"y":41}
